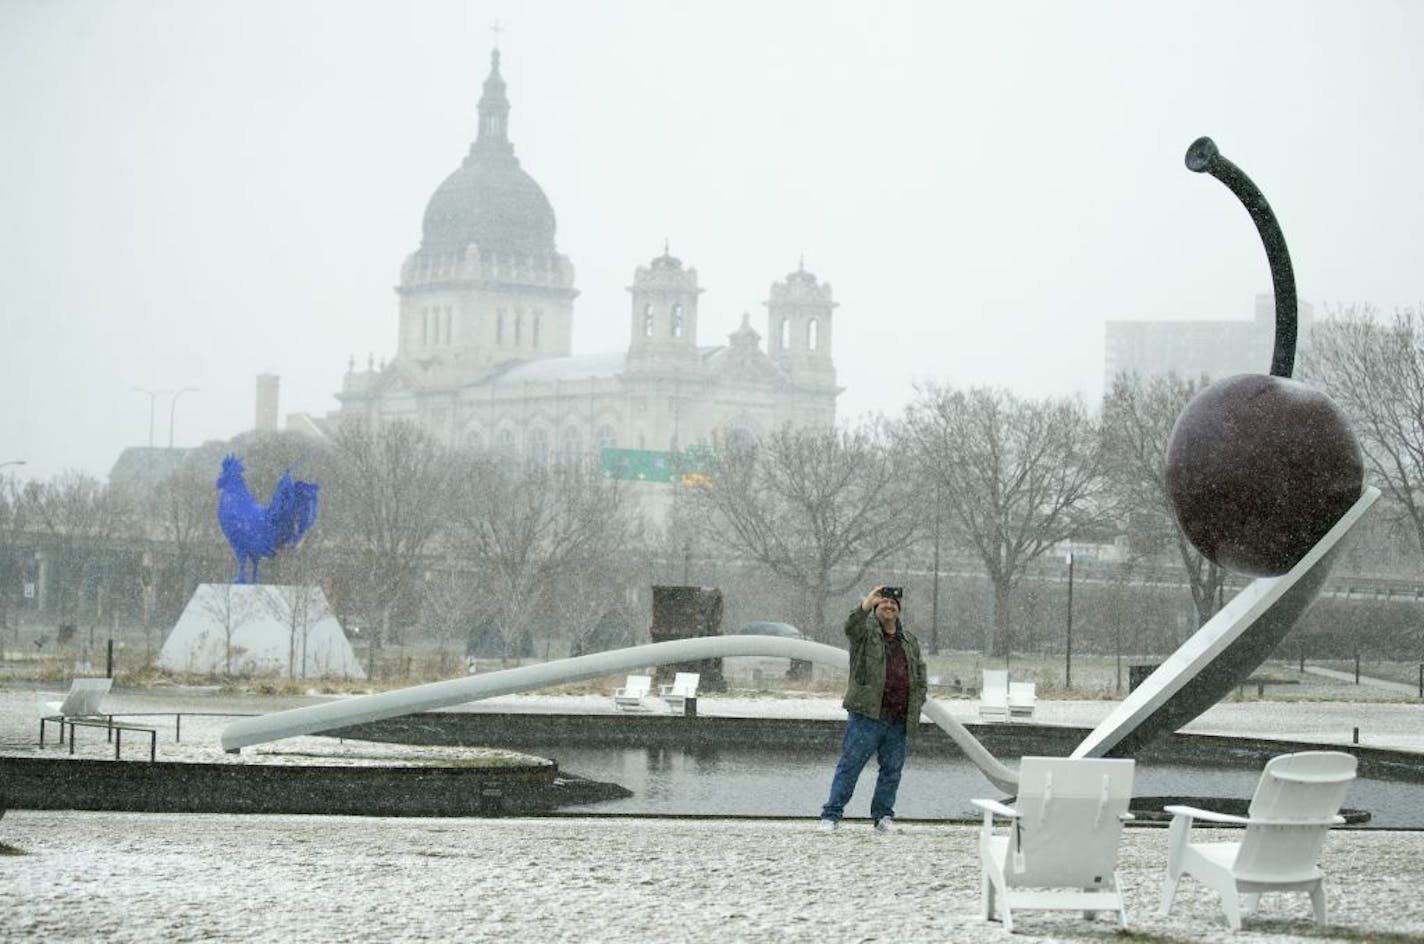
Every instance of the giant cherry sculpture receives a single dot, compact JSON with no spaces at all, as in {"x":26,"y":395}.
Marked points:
{"x":1260,"y":466}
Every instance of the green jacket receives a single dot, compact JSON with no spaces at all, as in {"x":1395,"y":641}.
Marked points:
{"x":866,"y":683}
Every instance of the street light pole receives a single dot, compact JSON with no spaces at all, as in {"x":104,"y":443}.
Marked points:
{"x":934,"y":595}
{"x":172,"y":409}
{"x":1068,"y":647}
{"x":152,"y":398}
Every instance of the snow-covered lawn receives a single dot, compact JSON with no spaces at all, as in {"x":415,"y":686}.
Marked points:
{"x":161,"y":878}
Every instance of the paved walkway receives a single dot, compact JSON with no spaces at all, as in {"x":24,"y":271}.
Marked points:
{"x":1398,"y":688}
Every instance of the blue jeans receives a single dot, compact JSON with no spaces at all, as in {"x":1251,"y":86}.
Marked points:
{"x":863,"y":737}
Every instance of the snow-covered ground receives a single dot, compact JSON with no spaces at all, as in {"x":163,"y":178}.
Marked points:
{"x":161,"y":877}
{"x":164,"y":878}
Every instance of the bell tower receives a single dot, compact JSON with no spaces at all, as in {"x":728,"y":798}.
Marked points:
{"x":664,"y":314}
{"x":798,"y":328}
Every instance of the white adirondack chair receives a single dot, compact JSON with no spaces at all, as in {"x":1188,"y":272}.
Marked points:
{"x":634,"y":690}
{"x":1060,"y":851}
{"x":994,"y":695}
{"x":1022,"y":697}
{"x":83,"y":699}
{"x":1296,"y":802}
{"x":683,"y":687}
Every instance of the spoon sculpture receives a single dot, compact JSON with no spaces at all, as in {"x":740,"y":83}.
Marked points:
{"x":1265,"y":477}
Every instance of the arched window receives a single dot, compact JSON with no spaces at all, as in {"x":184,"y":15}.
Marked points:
{"x":474,"y":440}
{"x":648,"y":320}
{"x":537,"y":444}
{"x":607,"y":438}
{"x":571,"y":448}
{"x":504,"y":441}
{"x":534,"y":336}
{"x":518,"y":326}
{"x":676,"y":321}
{"x":499,"y":327}
{"x":785,"y":332}
{"x":425,"y":326}
{"x":449,"y":322}
{"x":813,"y":334}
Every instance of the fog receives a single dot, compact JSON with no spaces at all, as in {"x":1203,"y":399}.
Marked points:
{"x":197,"y":192}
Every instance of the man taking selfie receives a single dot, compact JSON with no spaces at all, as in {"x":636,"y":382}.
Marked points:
{"x":884,"y":692}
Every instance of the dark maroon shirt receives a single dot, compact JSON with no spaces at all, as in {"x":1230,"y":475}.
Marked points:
{"x":896,"y":699}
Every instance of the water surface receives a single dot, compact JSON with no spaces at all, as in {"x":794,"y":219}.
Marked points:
{"x":679,"y":781}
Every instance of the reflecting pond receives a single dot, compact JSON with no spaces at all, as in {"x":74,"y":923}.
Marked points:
{"x":794,"y":783}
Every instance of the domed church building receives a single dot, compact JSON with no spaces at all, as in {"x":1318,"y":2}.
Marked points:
{"x":486,"y":309}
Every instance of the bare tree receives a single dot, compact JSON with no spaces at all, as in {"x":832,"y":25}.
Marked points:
{"x":526,"y":530}
{"x":1016,"y":476}
{"x":1374,"y":370}
{"x":229,"y":609}
{"x":388,"y":502}
{"x":14,"y":521}
{"x":295,"y":599}
{"x":1138,"y":416}
{"x":818,"y":507}
{"x":447,"y":607}
{"x":182,"y":514}
{"x":587,"y":594}
{"x":80,"y":517}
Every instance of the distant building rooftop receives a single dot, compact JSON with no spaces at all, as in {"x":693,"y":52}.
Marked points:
{"x":140,"y":468}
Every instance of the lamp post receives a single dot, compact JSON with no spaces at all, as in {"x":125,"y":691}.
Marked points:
{"x":153,"y":396}
{"x":1068,"y":644}
{"x":172,"y":409}
{"x":934,"y":594}
{"x":5,"y":613}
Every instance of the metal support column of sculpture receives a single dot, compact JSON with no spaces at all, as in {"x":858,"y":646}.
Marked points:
{"x":255,"y":530}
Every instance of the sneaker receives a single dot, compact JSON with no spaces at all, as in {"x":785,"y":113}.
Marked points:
{"x":828,"y":825}
{"x":886,"y":824}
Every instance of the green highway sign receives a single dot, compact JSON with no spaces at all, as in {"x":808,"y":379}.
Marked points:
{"x":638,"y":465}
{"x":693,"y":466}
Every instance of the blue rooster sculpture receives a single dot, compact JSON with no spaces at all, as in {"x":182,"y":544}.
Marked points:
{"x":254,"y":530}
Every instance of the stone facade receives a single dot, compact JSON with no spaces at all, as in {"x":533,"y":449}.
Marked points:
{"x":486,"y":308}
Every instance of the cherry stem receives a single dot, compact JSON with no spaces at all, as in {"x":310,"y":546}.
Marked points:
{"x":1203,"y":157}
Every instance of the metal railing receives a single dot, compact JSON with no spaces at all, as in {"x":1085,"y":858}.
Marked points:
{"x":117,"y":728}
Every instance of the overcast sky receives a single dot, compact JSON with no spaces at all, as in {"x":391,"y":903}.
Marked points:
{"x":192,"y":192}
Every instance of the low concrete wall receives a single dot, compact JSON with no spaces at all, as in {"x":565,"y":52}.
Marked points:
{"x":165,"y":787}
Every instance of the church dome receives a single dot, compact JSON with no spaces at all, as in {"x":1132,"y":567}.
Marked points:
{"x":490,"y":200}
